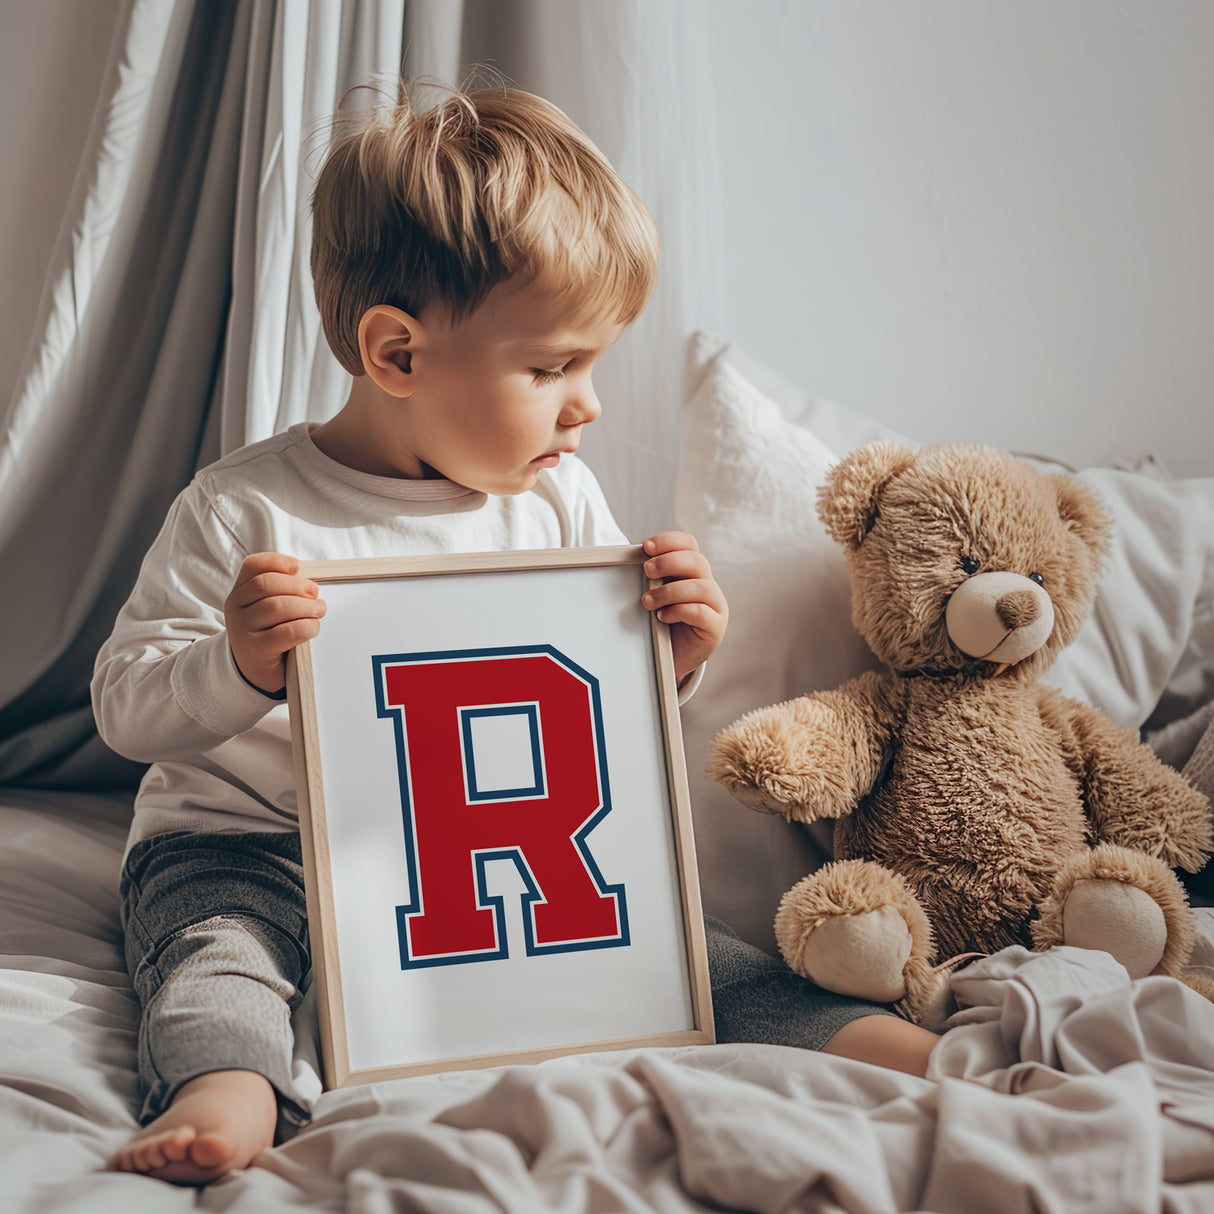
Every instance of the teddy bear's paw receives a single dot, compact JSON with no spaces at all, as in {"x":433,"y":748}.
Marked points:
{"x":862,"y":955}
{"x":784,"y":759}
{"x":763,"y":786}
{"x":1124,"y":903}
{"x":856,"y":928}
{"x":769,"y":792}
{"x":1119,"y":919}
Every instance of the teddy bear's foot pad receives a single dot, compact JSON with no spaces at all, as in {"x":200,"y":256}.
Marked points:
{"x":862,"y":955}
{"x":1117,"y":918}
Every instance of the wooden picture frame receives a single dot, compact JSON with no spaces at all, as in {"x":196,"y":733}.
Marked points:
{"x":494,"y":812}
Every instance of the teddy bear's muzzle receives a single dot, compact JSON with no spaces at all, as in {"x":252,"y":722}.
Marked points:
{"x":999,"y":617}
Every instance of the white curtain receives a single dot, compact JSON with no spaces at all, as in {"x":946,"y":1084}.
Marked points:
{"x":177,"y":324}
{"x":178,"y":321}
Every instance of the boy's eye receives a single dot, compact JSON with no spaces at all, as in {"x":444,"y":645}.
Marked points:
{"x":546,"y":377}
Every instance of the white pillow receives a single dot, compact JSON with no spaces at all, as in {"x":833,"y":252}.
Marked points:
{"x":755,"y":450}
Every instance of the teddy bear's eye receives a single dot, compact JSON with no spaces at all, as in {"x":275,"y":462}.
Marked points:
{"x":1036,"y":577}
{"x":969,"y":564}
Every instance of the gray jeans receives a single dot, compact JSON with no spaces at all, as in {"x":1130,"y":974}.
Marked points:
{"x":217,"y":948}
{"x":758,"y":998}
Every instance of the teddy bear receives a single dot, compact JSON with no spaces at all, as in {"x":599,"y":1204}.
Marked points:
{"x":975,"y":808}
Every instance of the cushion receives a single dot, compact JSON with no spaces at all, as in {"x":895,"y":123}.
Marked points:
{"x":754,"y":451}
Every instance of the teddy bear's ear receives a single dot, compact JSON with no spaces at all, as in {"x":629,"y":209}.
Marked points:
{"x":1082,"y":511}
{"x":847,"y":500}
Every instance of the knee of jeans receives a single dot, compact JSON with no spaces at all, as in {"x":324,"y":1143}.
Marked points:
{"x":242,"y":946}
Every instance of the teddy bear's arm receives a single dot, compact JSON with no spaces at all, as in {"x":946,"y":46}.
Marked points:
{"x":1131,"y":798}
{"x":812,"y":757}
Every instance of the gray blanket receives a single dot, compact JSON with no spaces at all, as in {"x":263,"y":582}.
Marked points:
{"x":1062,"y":1086}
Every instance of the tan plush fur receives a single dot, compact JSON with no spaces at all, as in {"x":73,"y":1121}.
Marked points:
{"x":956,"y":779}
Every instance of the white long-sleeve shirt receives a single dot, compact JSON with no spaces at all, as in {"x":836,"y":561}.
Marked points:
{"x":166,"y":689}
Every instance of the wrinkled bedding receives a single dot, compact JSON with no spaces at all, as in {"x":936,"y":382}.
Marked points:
{"x":1062,"y":1087}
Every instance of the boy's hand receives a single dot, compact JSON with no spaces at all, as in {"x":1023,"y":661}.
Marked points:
{"x":271,"y":610}
{"x":690,"y":601}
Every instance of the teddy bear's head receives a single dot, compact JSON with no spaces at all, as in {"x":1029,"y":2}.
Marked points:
{"x":964,"y":559}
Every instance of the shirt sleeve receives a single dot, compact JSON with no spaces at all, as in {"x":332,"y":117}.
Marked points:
{"x":691,"y":684}
{"x":165,"y":685}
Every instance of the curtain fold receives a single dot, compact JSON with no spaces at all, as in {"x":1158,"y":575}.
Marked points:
{"x":178,"y":324}
{"x":277,"y":366}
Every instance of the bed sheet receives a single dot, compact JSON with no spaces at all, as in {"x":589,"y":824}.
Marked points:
{"x":1063,"y":1087}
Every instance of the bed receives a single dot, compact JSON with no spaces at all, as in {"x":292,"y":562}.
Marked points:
{"x":1060,"y":1085}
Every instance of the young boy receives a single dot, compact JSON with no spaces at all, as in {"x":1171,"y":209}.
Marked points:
{"x":471,"y":263}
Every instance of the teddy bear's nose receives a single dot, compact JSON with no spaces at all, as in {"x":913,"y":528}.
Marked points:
{"x":999,"y":617}
{"x":1018,"y":609}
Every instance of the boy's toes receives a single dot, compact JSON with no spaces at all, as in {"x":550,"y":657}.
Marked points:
{"x":211,"y":1150}
{"x":136,"y":1158}
{"x":176,"y":1146}
{"x":153,"y":1152}
{"x":150,"y":1155}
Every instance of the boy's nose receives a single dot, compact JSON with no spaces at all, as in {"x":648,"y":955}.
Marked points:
{"x":582,"y":407}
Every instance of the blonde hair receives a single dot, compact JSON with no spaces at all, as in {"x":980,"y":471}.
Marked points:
{"x":414,"y":207}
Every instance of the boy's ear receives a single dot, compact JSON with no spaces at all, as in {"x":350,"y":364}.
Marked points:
{"x":387,"y":340}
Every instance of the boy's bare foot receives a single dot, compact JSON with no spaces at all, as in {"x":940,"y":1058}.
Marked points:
{"x":216,"y":1124}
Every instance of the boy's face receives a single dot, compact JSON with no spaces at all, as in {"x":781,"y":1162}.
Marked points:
{"x":505,"y":391}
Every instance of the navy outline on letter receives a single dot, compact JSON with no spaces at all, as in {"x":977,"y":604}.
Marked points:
{"x":484,"y":899}
{"x":532,"y":713}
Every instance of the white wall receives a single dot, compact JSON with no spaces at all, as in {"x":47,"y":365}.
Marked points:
{"x":978,"y":219}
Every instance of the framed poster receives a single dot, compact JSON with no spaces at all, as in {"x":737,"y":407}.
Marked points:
{"x":494,"y":812}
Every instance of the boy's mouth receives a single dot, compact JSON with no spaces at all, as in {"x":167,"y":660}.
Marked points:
{"x":551,"y":458}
